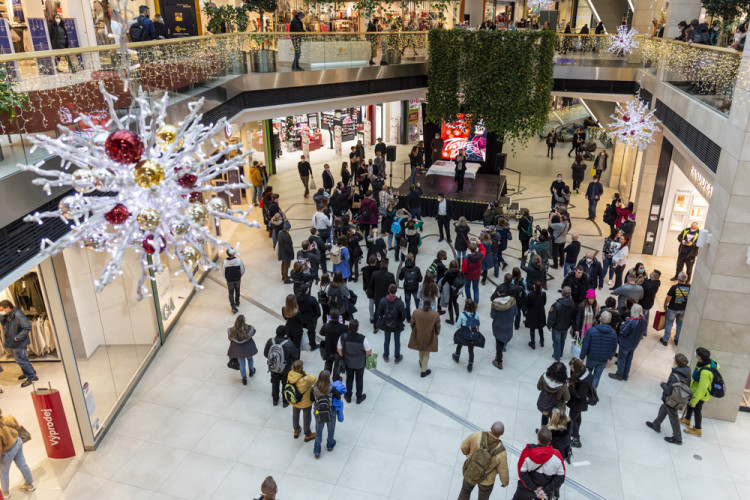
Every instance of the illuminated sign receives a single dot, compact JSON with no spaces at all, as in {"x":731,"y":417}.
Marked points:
{"x":703,"y":184}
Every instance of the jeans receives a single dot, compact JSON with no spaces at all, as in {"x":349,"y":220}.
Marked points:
{"x":306,"y":419}
{"x":257,"y":194}
{"x":664,"y":412}
{"x":541,"y":334}
{"x":471,"y":351}
{"x":416,"y":212}
{"x":234,"y":294}
{"x":330,"y":442}
{"x":592,"y":208}
{"x":698,"y":409}
{"x":351,"y":375}
{"x":396,"y":343}
{"x":672,"y":315}
{"x":14,"y":454}
{"x":575,"y":423}
{"x":597,"y":368}
{"x":243,"y":370}
{"x":624,"y":359}
{"x":453,"y":307}
{"x":558,"y":343}
{"x":607,"y":264}
{"x":413,"y":176}
{"x":646,"y":314}
{"x":23,"y":361}
{"x":407,"y":299}
{"x":467,"y":289}
{"x":467,"y":488}
{"x":390,"y":240}
{"x":460,"y":255}
{"x":498,"y":259}
{"x":567,"y":267}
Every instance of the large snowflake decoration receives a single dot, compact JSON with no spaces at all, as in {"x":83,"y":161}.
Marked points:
{"x":624,"y":41}
{"x":539,"y":5}
{"x":141,"y":183}
{"x":634,"y":123}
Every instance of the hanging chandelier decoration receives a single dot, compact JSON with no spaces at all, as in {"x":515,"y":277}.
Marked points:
{"x":539,"y":5}
{"x":624,"y":41}
{"x":140,"y":183}
{"x":634,"y":123}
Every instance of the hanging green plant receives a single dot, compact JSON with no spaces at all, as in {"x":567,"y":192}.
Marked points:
{"x":505,"y":76}
{"x":11,"y":102}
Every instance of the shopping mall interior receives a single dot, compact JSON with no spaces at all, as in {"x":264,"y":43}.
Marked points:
{"x":129,"y":166}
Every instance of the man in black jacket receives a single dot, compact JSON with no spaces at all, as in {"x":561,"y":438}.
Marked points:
{"x":593,"y":269}
{"x":233,"y":270}
{"x":379,"y":283}
{"x":305,"y":171}
{"x":296,"y":26}
{"x":309,"y":312}
{"x":578,"y":282}
{"x":285,"y":251}
{"x":380,"y":147}
{"x":650,"y":288}
{"x":331,"y":331}
{"x":560,"y":319}
{"x":290,"y":354}
{"x":680,"y":373}
{"x":390,"y":318}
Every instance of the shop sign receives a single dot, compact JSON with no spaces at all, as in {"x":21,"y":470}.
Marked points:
{"x":703,"y":184}
{"x":413,"y":124}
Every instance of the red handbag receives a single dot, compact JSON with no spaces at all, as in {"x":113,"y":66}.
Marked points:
{"x":659,"y":320}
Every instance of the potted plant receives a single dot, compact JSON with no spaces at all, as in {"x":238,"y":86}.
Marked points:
{"x":11,"y":102}
{"x":262,"y":57}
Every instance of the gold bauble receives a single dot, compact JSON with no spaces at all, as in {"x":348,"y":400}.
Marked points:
{"x":166,"y":135}
{"x":190,"y":255}
{"x":83,"y":180}
{"x":148,"y":174}
{"x":96,"y":242}
{"x":217,"y":204}
{"x":197,"y":213}
{"x":179,"y":227}
{"x":149,"y":219}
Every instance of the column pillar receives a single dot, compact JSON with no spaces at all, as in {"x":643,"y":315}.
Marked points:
{"x":644,"y":190}
{"x":680,"y":10}
{"x":717,"y":316}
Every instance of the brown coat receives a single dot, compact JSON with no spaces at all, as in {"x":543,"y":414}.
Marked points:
{"x":499,"y":461}
{"x":425,"y":327}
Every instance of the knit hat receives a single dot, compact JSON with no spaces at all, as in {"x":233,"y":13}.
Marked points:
{"x":591,"y":293}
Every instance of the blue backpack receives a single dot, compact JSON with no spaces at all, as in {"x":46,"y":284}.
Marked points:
{"x":396,"y":226}
{"x":470,"y":330}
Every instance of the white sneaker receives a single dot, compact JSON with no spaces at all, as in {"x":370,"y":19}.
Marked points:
{"x":609,"y":282}
{"x":6,"y":495}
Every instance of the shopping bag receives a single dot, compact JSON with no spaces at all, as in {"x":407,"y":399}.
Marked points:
{"x":371,"y":362}
{"x":593,"y":172}
{"x":312,"y":184}
{"x":575,"y":347}
{"x":659,"y":320}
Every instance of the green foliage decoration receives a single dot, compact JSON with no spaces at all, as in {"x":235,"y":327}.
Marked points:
{"x":726,"y":9}
{"x":11,"y":101}
{"x":505,"y":77}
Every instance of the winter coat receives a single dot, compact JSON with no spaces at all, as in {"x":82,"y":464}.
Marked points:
{"x":534,"y":273}
{"x":293,"y":326}
{"x":376,"y":248}
{"x":581,"y":314}
{"x":242,"y":349}
{"x":379,"y":283}
{"x":571,"y":252}
{"x":503,"y":235}
{"x":16,"y":329}
{"x":472,"y":265}
{"x":304,"y":385}
{"x":625,"y":292}
{"x":536,"y":312}
{"x":284,"y":246}
{"x":503,"y":313}
{"x":515,"y":291}
{"x":561,"y":439}
{"x":366,"y":277}
{"x":299,"y":279}
{"x":562,"y":314}
{"x":701,"y":381}
{"x":373,"y":209}
{"x":462,"y":238}
{"x":488,"y":261}
{"x":445,"y":285}
{"x":425,"y":328}
{"x":631,"y":333}
{"x":578,"y":286}
{"x":679,"y":373}
{"x":541,"y":248}
{"x":313,"y":257}
{"x":579,"y":392}
{"x":352,"y":242}
{"x":539,"y":466}
{"x":343,"y":266}
{"x":593,"y":271}
{"x":599,"y":343}
{"x":499,"y":461}
{"x":309,"y":309}
{"x":623,"y":214}
{"x":331,"y":331}
{"x":579,"y":170}
{"x":411,"y":270}
{"x":559,"y":390}
{"x":650,"y":287}
{"x":398,"y":324}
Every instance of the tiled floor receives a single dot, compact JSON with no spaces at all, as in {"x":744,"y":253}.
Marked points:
{"x":192,"y":430}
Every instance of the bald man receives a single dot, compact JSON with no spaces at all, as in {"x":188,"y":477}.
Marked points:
{"x":499,"y":462}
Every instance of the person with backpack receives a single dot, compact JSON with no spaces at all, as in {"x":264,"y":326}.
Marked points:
{"x":674,"y":305}
{"x":472,"y":268}
{"x":425,"y":328}
{"x":388,"y":222}
{"x":242,"y":346}
{"x":368,"y":213}
{"x":462,"y":238}
{"x":391,"y":315}
{"x":541,"y":471}
{"x":467,"y":333}
{"x":379,"y":284}
{"x":331,"y":331}
{"x":485,"y":458}
{"x":309,"y":312}
{"x":142,"y":29}
{"x":450,"y":288}
{"x":488,"y":262}
{"x":559,"y":320}
{"x":412,"y":277}
{"x":437,"y":268}
{"x":340,"y":257}
{"x":553,"y":390}
{"x":354,"y":348}
{"x":599,"y":345}
{"x":323,"y":393}
{"x":525,"y":230}
{"x":582,"y":394}
{"x":280,"y":352}
{"x":233,"y":269}
{"x":340,"y":297}
{"x":676,"y":394}
{"x":298,"y":392}
{"x":367,"y":271}
{"x":705,"y":382}
{"x":355,"y":252}
{"x":503,"y":314}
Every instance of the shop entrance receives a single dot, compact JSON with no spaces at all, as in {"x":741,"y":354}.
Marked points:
{"x":684,"y":204}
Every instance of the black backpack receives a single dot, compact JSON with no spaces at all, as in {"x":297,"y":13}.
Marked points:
{"x":610,"y":214}
{"x":136,"y":31}
{"x":546,"y":401}
{"x":489,"y":218}
{"x":718,"y":388}
{"x":411,"y":279}
{"x":322,"y":406}
{"x":457,"y":285}
{"x":390,"y":316}
{"x":365,"y":211}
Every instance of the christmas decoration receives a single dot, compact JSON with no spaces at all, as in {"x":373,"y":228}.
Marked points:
{"x":634,"y":124}
{"x":539,"y":5}
{"x":623,"y":42}
{"x":151,"y":176}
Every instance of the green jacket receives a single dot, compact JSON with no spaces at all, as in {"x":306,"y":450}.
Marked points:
{"x":701,"y":381}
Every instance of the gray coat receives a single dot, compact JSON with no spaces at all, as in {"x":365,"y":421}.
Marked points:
{"x":243,"y":349}
{"x":503,"y":314}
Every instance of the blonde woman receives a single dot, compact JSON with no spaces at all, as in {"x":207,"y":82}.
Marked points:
{"x":462,"y":238}
{"x":559,"y":425}
{"x":242,"y":346}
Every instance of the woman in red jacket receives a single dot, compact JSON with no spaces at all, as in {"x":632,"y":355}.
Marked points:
{"x":472,"y":268}
{"x":368,"y":213}
{"x":624,"y":214}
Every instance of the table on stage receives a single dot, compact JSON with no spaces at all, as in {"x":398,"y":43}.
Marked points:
{"x":447,"y":168}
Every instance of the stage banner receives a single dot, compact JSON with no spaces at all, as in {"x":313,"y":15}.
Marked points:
{"x":40,"y":41}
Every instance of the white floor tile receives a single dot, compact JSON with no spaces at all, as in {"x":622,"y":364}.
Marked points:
{"x":371,"y":471}
{"x":149,"y":466}
{"x":197,"y":477}
{"x":421,"y":480}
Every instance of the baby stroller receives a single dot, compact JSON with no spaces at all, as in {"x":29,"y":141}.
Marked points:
{"x":588,"y":148}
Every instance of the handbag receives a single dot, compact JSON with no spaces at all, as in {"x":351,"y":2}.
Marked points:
{"x":312,"y":184}
{"x":659,"y":320}
{"x":593,"y":172}
{"x":575,"y":347}
{"x":24,"y":434}
{"x":371,"y":362}
{"x":233,"y":363}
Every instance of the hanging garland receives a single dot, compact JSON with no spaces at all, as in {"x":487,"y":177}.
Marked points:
{"x":505,"y":77}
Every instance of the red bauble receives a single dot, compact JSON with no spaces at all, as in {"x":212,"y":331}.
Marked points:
{"x":187,"y":181}
{"x":632,"y":132}
{"x":148,"y":244}
{"x":194,"y":197}
{"x":118,"y":214}
{"x":124,"y":146}
{"x":626,"y":117}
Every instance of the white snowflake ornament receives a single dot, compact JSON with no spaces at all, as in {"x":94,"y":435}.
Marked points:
{"x":624,"y":41}
{"x":634,"y":123}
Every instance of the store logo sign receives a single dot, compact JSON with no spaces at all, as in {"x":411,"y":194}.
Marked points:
{"x":54,"y":436}
{"x":701,"y":182}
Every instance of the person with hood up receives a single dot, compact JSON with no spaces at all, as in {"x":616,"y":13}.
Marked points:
{"x":472,"y":268}
{"x":599,"y":344}
{"x":390,"y":317}
{"x":593,"y":269}
{"x":503,"y":314}
{"x":579,"y":386}
{"x":309,"y":312}
{"x":242,"y":346}
{"x":233,"y":269}
{"x":553,"y":390}
{"x":700,"y":383}
{"x":559,"y":320}
{"x":680,"y":374}
{"x":303,"y":382}
{"x":331,"y":331}
{"x":425,"y":328}
{"x":450,"y":288}
{"x":541,"y":470}
{"x":631,"y":333}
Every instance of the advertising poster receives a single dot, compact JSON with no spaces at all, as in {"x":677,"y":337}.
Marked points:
{"x":72,"y":31}
{"x":40,"y":41}
{"x":179,"y":17}
{"x":305,"y":135}
{"x":367,"y":129}
{"x":6,"y":47}
{"x":337,"y":138}
{"x":465,"y":134}
{"x":393,"y":137}
{"x":413,"y":119}
{"x":18,"y":11}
